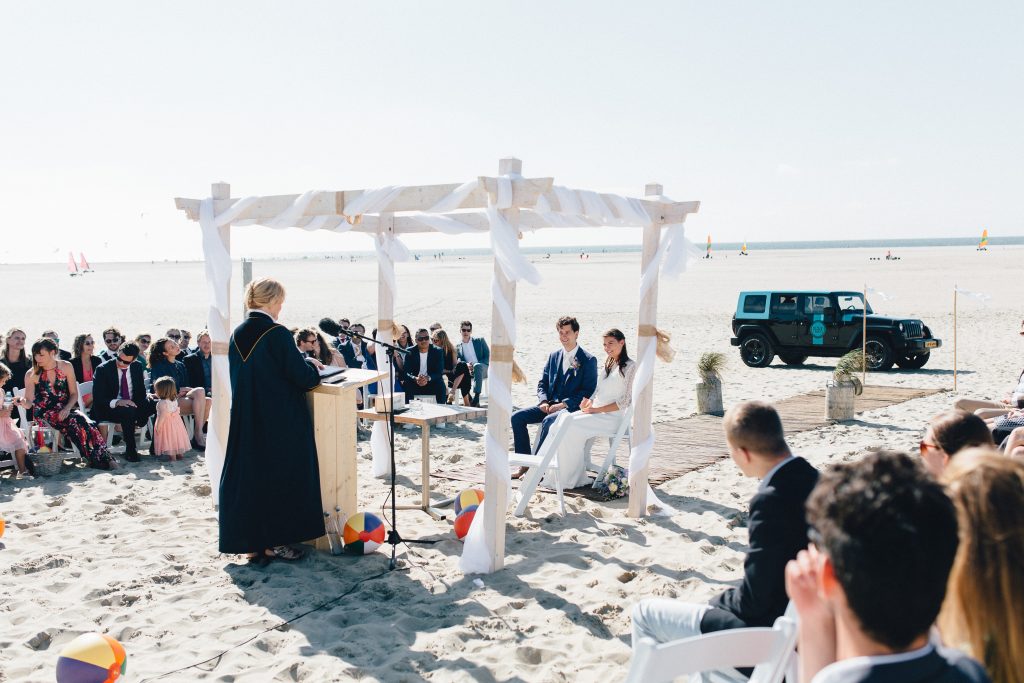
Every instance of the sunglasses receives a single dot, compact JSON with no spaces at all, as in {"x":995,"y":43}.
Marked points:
{"x":174,"y":336}
{"x":925,"y":446}
{"x":125,"y":361}
{"x":146,"y":340}
{"x":89,"y":343}
{"x":467,"y":329}
{"x":422,"y":338}
{"x":111,"y":340}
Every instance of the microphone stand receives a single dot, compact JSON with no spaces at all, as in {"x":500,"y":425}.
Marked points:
{"x":394,"y":538}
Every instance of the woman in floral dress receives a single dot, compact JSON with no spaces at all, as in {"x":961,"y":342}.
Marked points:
{"x":54,"y":400}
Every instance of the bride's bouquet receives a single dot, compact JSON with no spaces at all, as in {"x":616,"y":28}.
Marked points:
{"x":614,"y":483}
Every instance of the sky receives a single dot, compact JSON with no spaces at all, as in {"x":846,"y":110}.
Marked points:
{"x":787,"y":120}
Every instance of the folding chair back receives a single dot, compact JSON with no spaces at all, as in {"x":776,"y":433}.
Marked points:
{"x":545,"y":460}
{"x":625,"y":429}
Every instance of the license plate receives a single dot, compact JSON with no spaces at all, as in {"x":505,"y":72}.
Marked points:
{"x":930,"y":345}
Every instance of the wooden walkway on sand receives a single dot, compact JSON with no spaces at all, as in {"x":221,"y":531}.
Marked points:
{"x":690,"y":443}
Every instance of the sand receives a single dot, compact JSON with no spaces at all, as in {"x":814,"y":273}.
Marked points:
{"x":134,"y":554}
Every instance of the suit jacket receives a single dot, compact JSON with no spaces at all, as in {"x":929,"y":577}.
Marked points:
{"x":777,"y":532}
{"x":106,"y":386}
{"x":349,"y":353}
{"x":106,"y":355}
{"x":935,"y":666}
{"x":76,"y":363}
{"x":480,"y":348}
{"x":571,"y":387}
{"x":435,"y":364}
{"x":194,"y":367}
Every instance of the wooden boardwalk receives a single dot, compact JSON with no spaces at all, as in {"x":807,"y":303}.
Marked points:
{"x":690,"y":443}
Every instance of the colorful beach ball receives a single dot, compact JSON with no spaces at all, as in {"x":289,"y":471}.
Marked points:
{"x":464,"y":520}
{"x":363,"y":533}
{"x":3,"y":526}
{"x":91,"y":658}
{"x":467,"y":499}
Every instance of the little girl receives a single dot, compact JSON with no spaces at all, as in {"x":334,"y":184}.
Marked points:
{"x":12,"y":439}
{"x":170,"y":441}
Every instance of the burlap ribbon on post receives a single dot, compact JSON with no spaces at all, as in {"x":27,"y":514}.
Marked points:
{"x":504,"y":354}
{"x":664,"y":351}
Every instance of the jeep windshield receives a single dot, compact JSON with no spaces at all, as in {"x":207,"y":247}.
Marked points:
{"x":851,"y":301}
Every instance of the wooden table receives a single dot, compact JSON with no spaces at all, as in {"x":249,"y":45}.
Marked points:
{"x":427,"y":414}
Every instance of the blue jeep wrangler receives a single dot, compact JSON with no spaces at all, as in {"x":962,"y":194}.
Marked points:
{"x":798,"y":324}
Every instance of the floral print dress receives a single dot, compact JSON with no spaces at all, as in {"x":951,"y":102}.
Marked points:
{"x":50,"y":399}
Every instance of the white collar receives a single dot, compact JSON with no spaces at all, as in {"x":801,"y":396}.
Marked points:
{"x":571,"y":353}
{"x":838,"y":671}
{"x":768,"y":476}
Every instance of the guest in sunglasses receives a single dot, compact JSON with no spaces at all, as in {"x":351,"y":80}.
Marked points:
{"x":84,"y":362}
{"x":424,"y":369}
{"x":948,"y":433}
{"x":475,"y":353}
{"x":112,"y":339}
{"x":143,"y":341}
{"x":55,"y":338}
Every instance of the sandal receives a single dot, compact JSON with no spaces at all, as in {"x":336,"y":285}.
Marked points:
{"x":282,"y":552}
{"x":520,"y":473}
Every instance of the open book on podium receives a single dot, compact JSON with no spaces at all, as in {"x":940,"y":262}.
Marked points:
{"x":332,"y":406}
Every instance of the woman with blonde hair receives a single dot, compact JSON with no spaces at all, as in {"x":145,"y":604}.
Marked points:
{"x":455,"y":370}
{"x":270,"y":486}
{"x":982,"y":611}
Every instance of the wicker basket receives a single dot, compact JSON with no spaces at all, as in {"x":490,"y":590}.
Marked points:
{"x":47,"y":464}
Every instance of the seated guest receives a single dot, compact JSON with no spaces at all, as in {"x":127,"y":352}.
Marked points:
{"x":354,"y":350}
{"x":985,"y":409}
{"x":142,"y":341}
{"x":84,"y":363}
{"x":455,"y":370}
{"x":17,"y":361}
{"x":477,"y":356}
{"x":55,"y":338}
{"x":12,"y":439}
{"x":424,"y":369}
{"x":570,"y":375}
{"x":112,"y":339}
{"x":175,"y":334}
{"x":199,"y":364}
{"x":186,"y":340}
{"x":981,"y":614}
{"x":119,"y":395}
{"x":371,"y":364}
{"x":869,"y":588}
{"x":404,"y":342}
{"x":950,"y":432}
{"x":777,"y":531}
{"x":342,"y":338}
{"x":191,"y":400}
{"x":312,"y":344}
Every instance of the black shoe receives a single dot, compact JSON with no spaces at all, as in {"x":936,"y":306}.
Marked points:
{"x":132,"y":457}
{"x":197,"y":446}
{"x":476,"y":401}
{"x":117,"y":439}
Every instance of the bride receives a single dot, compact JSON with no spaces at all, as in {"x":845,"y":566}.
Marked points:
{"x":598,"y":415}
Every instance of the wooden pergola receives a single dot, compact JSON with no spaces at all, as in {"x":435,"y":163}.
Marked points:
{"x":512,"y":203}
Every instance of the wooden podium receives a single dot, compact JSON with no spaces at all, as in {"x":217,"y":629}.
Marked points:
{"x":333,"y":409}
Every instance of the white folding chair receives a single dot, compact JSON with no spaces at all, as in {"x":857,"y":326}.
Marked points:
{"x":624,"y":429}
{"x":546,"y":460}
{"x":86,"y":388}
{"x":768,"y":650}
{"x":26,"y":426}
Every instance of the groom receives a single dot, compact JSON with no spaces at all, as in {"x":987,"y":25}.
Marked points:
{"x":569,"y":376}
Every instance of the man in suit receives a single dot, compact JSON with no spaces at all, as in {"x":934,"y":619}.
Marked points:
{"x":870,"y":587}
{"x":475,"y":353}
{"x":777,"y":530}
{"x":570,"y":375}
{"x":119,"y":395}
{"x":199,"y":364}
{"x":61,"y":353}
{"x":354,"y":350}
{"x":423,"y":373}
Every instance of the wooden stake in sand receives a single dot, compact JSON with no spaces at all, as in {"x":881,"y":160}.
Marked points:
{"x":864,"y":340}
{"x":954,"y":336}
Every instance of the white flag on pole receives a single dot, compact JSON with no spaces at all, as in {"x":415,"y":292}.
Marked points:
{"x":980,"y":296}
{"x":880,"y":294}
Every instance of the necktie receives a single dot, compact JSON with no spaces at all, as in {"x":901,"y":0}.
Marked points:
{"x":125,"y":393}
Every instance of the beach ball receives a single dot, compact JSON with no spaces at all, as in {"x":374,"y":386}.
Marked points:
{"x":363,"y":533}
{"x":464,"y":520}
{"x":3,"y":525}
{"x":91,"y":658}
{"x":468,"y":498}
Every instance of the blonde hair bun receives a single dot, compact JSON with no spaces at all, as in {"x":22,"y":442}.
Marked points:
{"x":263,"y":292}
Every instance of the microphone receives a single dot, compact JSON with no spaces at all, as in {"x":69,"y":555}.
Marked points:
{"x":330,"y":327}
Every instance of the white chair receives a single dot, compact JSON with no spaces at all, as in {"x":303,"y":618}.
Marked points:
{"x":624,"y":429}
{"x":545,"y":461}
{"x":26,"y":426}
{"x":86,"y":388}
{"x":769,"y":650}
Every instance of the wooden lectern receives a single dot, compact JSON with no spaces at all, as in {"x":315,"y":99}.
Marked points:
{"x":333,"y":409}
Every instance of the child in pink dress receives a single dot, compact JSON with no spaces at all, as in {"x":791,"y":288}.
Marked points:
{"x":12,"y":439}
{"x":170,"y":441}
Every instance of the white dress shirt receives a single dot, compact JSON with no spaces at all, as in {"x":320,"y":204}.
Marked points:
{"x":118,"y":371}
{"x":468,"y":352}
{"x":423,"y":361}
{"x":567,"y":358}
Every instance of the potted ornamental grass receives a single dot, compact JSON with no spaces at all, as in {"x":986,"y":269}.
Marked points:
{"x":844,"y":386}
{"x":709,"y":389}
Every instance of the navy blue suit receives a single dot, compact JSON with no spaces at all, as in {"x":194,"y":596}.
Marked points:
{"x":434,"y":370}
{"x":555,"y":387}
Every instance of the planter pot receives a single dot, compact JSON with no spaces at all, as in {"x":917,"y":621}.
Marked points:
{"x":709,"y":396}
{"x":839,"y":400}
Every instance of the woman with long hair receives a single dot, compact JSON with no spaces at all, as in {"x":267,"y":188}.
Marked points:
{"x":191,"y":400}
{"x":13,"y":356}
{"x":53,"y":394}
{"x":84,"y":363}
{"x":455,"y":370}
{"x":981,"y":614}
{"x":599,"y":414}
{"x":404,"y":341}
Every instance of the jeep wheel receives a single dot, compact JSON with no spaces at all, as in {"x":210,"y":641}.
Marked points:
{"x":879,"y":354}
{"x":794,"y":359}
{"x":756,"y":351}
{"x":913,"y":362}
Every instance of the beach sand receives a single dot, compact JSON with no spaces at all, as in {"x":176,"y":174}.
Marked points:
{"x":134,"y":554}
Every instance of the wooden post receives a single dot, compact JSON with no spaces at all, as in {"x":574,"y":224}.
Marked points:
{"x":644,"y":402}
{"x":863,"y":339}
{"x":385,"y":306}
{"x":498,"y":419}
{"x":954,"y":337}
{"x":220,"y":416}
{"x":246,"y":279}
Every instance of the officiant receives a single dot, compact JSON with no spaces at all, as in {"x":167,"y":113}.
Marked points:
{"x":270,"y":486}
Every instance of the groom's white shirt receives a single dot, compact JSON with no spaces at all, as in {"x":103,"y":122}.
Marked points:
{"x":567,"y":358}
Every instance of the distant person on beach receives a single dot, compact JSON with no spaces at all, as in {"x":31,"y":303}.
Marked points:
{"x":51,"y":390}
{"x":870,"y":586}
{"x":423,"y":371}
{"x":119,"y":396}
{"x":949,"y":433}
{"x":569,"y":376}
{"x":270,"y":486}
{"x":55,"y":338}
{"x":112,"y":339}
{"x":476,"y":354}
{"x":982,"y":612}
{"x":777,"y":531}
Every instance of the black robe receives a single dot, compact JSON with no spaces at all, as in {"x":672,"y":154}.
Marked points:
{"x":270,"y":486}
